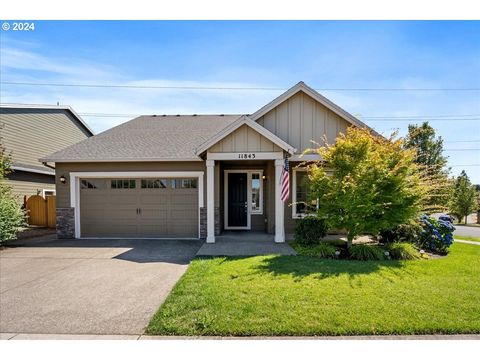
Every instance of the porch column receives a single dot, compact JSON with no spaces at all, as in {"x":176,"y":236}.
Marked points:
{"x":279,"y":211}
{"x":210,"y":201}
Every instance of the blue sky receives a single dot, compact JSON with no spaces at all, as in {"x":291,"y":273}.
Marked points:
{"x":324,"y":54}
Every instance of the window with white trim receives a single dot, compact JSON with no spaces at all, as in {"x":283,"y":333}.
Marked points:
{"x":302,"y":203}
{"x":256,"y":184}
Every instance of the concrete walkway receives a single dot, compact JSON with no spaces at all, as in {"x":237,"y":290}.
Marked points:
{"x":245,"y":244}
{"x":14,"y":336}
{"x":88,"y":286}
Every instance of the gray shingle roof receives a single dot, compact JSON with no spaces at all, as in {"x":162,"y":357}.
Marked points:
{"x":147,"y":138}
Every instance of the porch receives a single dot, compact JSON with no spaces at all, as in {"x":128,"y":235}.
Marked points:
{"x":245,"y":243}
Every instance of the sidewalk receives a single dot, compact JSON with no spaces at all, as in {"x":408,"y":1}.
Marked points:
{"x":13,"y":336}
{"x":467,"y":242}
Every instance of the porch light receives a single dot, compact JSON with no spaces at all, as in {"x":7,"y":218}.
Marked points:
{"x":263,"y":177}
{"x":63,"y":179}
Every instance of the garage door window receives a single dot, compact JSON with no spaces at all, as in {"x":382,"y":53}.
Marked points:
{"x":154,"y":183}
{"x":92,"y":184}
{"x":123,"y":184}
{"x":184,"y":183}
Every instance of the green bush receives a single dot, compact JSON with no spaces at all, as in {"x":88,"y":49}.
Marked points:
{"x":322,"y":250}
{"x":403,"y":251}
{"x":409,"y":232}
{"x":12,"y":217}
{"x":366,"y":252}
{"x":310,"y":230}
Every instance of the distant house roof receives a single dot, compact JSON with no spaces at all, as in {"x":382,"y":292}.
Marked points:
{"x":50,"y":107}
{"x":147,"y":138}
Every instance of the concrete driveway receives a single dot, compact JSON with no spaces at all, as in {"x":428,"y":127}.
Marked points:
{"x":462,"y":230}
{"x":88,"y":286}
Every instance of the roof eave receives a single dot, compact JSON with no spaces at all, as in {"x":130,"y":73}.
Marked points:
{"x":50,"y":107}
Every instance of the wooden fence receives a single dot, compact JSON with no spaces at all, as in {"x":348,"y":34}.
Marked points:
{"x":41,"y":211}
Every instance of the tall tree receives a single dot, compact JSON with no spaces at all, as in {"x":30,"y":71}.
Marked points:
{"x":374,"y":184}
{"x":464,"y":198}
{"x":433,"y":164}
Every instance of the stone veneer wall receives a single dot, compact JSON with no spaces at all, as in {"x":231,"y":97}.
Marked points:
{"x":65,"y":223}
{"x":203,"y":222}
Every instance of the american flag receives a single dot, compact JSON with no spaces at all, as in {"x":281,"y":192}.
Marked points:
{"x":285,"y":182}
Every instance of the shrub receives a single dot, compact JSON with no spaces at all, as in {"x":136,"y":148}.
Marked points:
{"x":437,"y":235}
{"x":322,"y":250}
{"x":366,"y":252}
{"x":310,"y":230}
{"x":409,"y":232}
{"x":403,"y":251}
{"x":12,"y":217}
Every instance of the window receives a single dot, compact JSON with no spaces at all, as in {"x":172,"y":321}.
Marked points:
{"x":184,"y":183}
{"x":47,"y":192}
{"x":123,"y":184}
{"x":92,"y":183}
{"x":257,"y":198}
{"x":302,"y":203}
{"x":154,"y":183}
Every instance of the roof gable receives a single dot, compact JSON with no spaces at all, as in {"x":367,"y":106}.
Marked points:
{"x":244,"y":121}
{"x":302,"y":87}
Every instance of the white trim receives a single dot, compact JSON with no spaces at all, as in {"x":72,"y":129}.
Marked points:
{"x":49,"y":107}
{"x":306,"y":157}
{"x":301,"y":86}
{"x":75,"y":187}
{"x":237,"y":155}
{"x":50,"y":190}
{"x":279,"y":206}
{"x":21,"y":168}
{"x":47,"y":159}
{"x":210,"y":201}
{"x":249,"y":197}
{"x":245,"y":120}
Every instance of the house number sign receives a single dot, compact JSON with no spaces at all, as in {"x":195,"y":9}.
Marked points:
{"x":246,"y":156}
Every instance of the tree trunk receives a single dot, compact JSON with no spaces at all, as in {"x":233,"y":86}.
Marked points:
{"x":350,"y":238}
{"x":466,"y":217}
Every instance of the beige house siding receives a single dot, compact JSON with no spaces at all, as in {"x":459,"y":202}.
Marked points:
{"x":301,"y":119}
{"x":27,"y":184}
{"x":29,"y":134}
{"x":244,"y":139}
{"x":63,"y":190}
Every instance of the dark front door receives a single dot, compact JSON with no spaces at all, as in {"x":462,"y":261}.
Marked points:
{"x":237,"y":199}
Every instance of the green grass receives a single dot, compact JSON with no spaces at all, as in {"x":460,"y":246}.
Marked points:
{"x":299,"y":295}
{"x":469,"y":238}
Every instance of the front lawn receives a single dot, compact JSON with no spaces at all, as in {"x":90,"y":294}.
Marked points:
{"x":469,"y":238}
{"x":299,"y":295}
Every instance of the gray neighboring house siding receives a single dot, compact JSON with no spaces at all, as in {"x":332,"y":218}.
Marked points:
{"x":212,"y":145}
{"x":30,"y":132}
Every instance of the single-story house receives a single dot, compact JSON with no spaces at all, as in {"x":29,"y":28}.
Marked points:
{"x":194,"y":176}
{"x":30,"y":132}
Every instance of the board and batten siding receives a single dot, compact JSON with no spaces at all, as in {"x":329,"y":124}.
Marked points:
{"x":244,"y":139}
{"x":29,"y":134}
{"x":301,"y":119}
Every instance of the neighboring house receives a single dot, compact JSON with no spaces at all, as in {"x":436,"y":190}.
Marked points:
{"x":194,"y":176}
{"x":30,"y":132}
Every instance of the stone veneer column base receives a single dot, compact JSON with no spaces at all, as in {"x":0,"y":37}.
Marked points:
{"x":65,"y":223}
{"x":203,"y":222}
